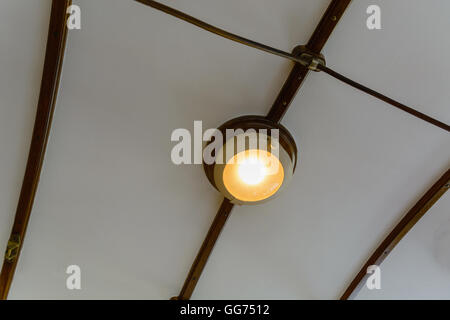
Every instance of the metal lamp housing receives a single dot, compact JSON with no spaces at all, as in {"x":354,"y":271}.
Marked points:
{"x":286,"y":155}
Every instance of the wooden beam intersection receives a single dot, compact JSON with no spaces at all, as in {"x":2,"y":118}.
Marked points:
{"x":298,"y":74}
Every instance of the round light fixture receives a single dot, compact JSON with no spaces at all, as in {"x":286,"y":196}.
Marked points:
{"x":255,"y":162}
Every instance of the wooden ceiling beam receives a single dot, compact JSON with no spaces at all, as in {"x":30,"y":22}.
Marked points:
{"x":399,"y":231}
{"x":205,"y":250}
{"x":47,"y":99}
{"x":299,"y":73}
{"x":321,"y":34}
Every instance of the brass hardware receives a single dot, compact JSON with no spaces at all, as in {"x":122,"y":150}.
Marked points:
{"x":312,"y":60}
{"x":12,"y":250}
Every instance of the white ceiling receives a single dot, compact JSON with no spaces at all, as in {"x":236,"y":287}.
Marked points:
{"x":111,"y":201}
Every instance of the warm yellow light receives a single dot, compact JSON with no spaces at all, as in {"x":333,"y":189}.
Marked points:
{"x":253,"y":175}
{"x":252,"y":170}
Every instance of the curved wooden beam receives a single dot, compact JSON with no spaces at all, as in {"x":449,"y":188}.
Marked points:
{"x":47,"y":99}
{"x":399,"y":231}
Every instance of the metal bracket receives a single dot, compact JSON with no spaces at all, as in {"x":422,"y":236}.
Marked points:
{"x":12,"y":250}
{"x":312,"y":59}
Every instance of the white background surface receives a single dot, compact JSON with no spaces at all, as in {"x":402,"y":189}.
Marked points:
{"x":111,"y":201}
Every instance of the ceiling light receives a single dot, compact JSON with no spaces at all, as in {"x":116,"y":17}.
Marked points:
{"x":253,"y":169}
{"x":250,"y":172}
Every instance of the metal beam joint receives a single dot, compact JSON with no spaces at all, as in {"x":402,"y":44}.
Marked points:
{"x":12,"y":249}
{"x":309,"y":59}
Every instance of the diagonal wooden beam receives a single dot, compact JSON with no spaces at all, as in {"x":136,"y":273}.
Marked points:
{"x":47,"y":99}
{"x":323,"y":31}
{"x":399,"y":231}
{"x":205,"y":250}
{"x":299,"y":73}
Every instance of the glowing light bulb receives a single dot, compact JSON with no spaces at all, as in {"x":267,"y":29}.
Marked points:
{"x":252,"y":170}
{"x":249,"y":177}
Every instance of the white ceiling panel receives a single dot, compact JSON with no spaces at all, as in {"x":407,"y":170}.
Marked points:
{"x":111,"y":201}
